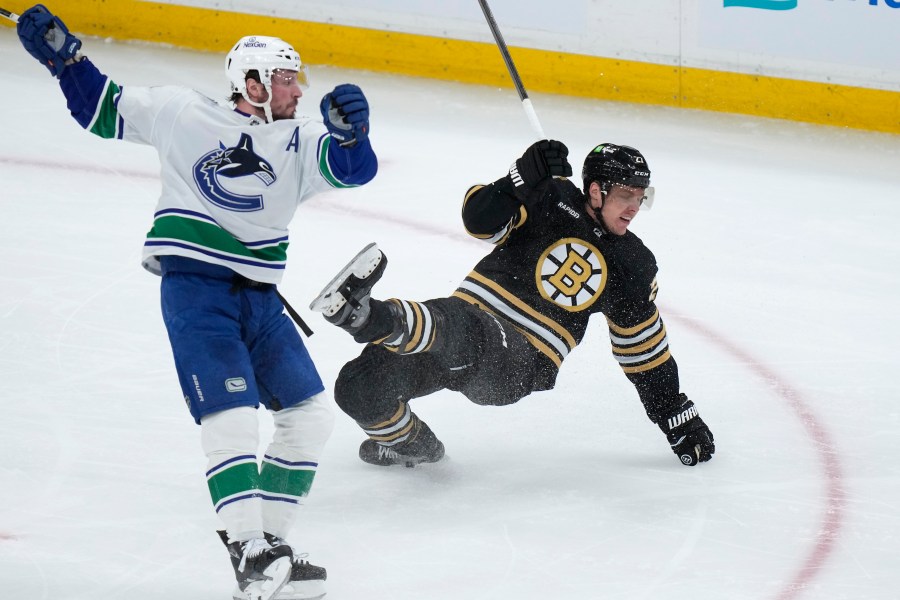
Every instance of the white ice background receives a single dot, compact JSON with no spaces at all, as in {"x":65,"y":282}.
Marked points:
{"x":778,"y":252}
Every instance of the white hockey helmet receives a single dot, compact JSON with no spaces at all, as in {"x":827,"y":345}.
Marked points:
{"x":264,"y":55}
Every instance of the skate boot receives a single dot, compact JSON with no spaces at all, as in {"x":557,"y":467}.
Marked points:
{"x":307,"y":581}
{"x":261,"y":569}
{"x":421,"y":447}
{"x":345,"y":301}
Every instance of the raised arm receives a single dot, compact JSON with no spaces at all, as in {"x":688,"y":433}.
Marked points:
{"x":351,"y":159}
{"x":492,"y":211}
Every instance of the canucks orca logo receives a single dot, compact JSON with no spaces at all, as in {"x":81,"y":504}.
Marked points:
{"x":238,"y":161}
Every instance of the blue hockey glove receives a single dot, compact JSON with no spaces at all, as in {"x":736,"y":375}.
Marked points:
{"x":346,"y":114}
{"x":541,"y":161}
{"x":690,"y":438}
{"x":47,"y":38}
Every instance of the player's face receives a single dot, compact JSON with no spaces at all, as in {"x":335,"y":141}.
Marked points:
{"x":286,"y":92}
{"x":620,"y":206}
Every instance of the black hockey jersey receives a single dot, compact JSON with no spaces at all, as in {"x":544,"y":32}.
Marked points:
{"x":553,"y":267}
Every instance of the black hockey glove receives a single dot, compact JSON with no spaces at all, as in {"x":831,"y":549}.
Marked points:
{"x":346,"y":114}
{"x":47,"y":38}
{"x":542,"y":160}
{"x":690,"y":438}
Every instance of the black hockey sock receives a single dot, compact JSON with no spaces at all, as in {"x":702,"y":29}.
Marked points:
{"x":381,"y":323}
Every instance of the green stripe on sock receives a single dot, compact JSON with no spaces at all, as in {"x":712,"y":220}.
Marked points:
{"x":293,"y":482}
{"x":242,"y":477}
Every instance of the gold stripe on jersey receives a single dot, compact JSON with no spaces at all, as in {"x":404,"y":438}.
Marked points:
{"x":497,"y":237}
{"x":394,"y":430}
{"x":545,"y":334}
{"x":515,"y":301}
{"x":534,"y":341}
{"x":655,"y":340}
{"x":550,"y":345}
{"x":642,"y":347}
{"x":542,"y":347}
{"x":632,"y":330}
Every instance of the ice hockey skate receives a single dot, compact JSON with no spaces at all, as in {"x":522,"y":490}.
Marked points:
{"x":307,"y":581}
{"x":425,"y":447}
{"x":345,"y":300}
{"x":261,"y":569}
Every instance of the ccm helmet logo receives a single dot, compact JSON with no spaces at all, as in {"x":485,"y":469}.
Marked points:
{"x":642,"y":173}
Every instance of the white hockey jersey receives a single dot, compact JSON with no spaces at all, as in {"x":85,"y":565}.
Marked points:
{"x":230,"y":182}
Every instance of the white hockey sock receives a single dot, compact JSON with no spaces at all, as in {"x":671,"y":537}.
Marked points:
{"x":230,"y":439}
{"x":290,"y":462}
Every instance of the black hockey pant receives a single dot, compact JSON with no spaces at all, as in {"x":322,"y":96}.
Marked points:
{"x":474,"y":352}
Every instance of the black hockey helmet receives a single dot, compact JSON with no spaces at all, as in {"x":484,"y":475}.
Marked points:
{"x":610,"y":163}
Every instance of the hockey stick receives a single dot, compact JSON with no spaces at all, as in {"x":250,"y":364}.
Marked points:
{"x":511,"y":67}
{"x":9,"y":15}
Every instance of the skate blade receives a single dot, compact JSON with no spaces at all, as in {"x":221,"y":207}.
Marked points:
{"x":278,"y":573}
{"x":313,"y":589}
{"x":330,"y":300}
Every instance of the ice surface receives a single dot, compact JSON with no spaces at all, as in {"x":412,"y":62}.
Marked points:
{"x":778,"y":276}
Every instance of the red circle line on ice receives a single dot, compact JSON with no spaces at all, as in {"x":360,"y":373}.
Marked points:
{"x":833,"y":511}
{"x":835,"y":496}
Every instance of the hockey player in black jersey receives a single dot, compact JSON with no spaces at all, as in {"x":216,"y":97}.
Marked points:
{"x":561,"y":254}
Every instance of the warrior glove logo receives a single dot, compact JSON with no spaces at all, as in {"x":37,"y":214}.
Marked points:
{"x":571,"y":274}
{"x":236,"y":162}
{"x":514,"y":175}
{"x":681,"y":418}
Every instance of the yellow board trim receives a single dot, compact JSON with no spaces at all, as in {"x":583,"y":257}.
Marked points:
{"x":480,"y":63}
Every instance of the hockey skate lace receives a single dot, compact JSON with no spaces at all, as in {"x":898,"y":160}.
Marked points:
{"x":254,"y":548}
{"x":297,"y":559}
{"x":300,"y":559}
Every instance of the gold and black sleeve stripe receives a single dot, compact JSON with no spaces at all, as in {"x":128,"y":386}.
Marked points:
{"x":641,"y":347}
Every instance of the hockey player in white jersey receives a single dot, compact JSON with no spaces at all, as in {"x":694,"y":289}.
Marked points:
{"x":232,"y":178}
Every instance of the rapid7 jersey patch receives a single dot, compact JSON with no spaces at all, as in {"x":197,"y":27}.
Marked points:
{"x":572,"y":274}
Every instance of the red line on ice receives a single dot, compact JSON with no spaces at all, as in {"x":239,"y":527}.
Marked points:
{"x":833,"y":516}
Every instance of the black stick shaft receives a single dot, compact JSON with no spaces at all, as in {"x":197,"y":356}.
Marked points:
{"x":9,"y":15}
{"x":501,"y":44}
{"x":513,"y":72}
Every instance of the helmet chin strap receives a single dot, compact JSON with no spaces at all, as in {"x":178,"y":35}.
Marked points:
{"x":596,"y":213}
{"x":266,"y":106}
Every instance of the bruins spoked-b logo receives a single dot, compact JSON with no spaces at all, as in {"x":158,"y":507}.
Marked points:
{"x":232,"y":163}
{"x":572,"y":274}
